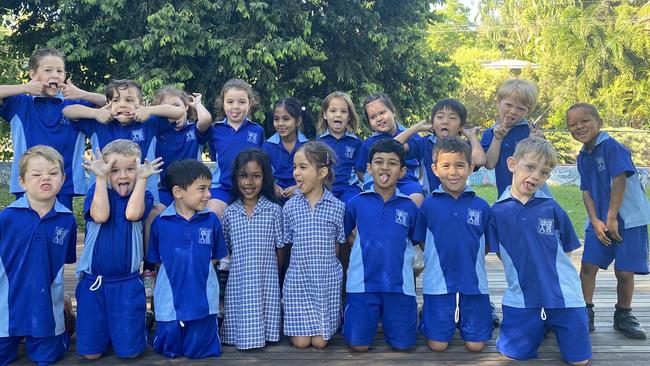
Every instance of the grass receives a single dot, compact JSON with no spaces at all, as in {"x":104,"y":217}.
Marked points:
{"x":569,"y":197}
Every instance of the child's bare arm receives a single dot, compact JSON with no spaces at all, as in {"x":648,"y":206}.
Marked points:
{"x":70,"y":91}
{"x":32,"y":88}
{"x":100,"y":207}
{"x":203,"y":116}
{"x":492,"y":155}
{"x":404,"y":136}
{"x":164,"y":110}
{"x":615,"y":201}
{"x":76,"y":112}
{"x":599,"y":226}
{"x":135,"y":206}
{"x":478,"y":155}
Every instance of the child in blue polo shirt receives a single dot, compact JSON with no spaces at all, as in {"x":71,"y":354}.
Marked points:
{"x":515,"y":100}
{"x":34,"y":112}
{"x":110,"y":295}
{"x":184,"y":141}
{"x":448,"y":119}
{"x":37,"y":236}
{"x":452,"y":224}
{"x":230,"y":136}
{"x":336,"y":125}
{"x":380,"y":283}
{"x":289,"y":122}
{"x":531,"y":234}
{"x":618,"y":213}
{"x":186,"y":241}
{"x":380,"y":114}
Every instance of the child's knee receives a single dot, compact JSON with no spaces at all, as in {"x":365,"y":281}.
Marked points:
{"x":475,"y":346}
{"x":360,"y":348}
{"x":437,"y":346}
{"x":301,"y":342}
{"x":588,"y":270}
{"x":624,"y":275}
{"x":92,"y":357}
{"x":579,"y":363}
{"x":318,"y":342}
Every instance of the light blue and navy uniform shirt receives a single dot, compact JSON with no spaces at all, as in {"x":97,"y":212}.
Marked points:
{"x":361,"y":165}
{"x":281,"y":159}
{"x":346,"y":149}
{"x":517,"y":133}
{"x":422,"y":150}
{"x":39,"y":121}
{"x":226,"y":143}
{"x":174,"y":145}
{"x":532,"y":240}
{"x":453,"y":231}
{"x":382,"y":254}
{"x":186,"y":286}
{"x":114,"y":248}
{"x":33,"y":251}
{"x":597,"y":168}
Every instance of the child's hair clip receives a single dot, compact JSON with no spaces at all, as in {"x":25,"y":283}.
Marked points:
{"x":303,"y":108}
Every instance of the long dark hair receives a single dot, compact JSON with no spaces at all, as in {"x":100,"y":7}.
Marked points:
{"x":260,"y":157}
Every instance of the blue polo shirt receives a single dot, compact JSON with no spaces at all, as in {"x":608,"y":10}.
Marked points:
{"x":346,"y":149}
{"x":532,"y":240}
{"x":281,"y":159}
{"x":422,"y":150}
{"x":226,"y":143}
{"x":517,"y":133}
{"x":115,"y":247}
{"x":33,"y":251}
{"x":174,"y":145}
{"x":597,"y":168}
{"x":362,"y":158}
{"x":40,"y":121}
{"x":453,"y":231}
{"x":186,"y":285}
{"x":382,"y":254}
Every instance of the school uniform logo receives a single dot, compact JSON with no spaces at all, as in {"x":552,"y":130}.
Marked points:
{"x":59,"y":235}
{"x":402,"y":217}
{"x":252,"y":137}
{"x":545,"y":226}
{"x":137,"y":135}
{"x":190,"y":136}
{"x":349,"y":152}
{"x":205,"y":235}
{"x":474,"y":217}
{"x":600,"y":163}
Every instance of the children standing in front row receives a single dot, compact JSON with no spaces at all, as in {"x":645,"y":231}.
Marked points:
{"x":110,"y":295}
{"x":37,"y":236}
{"x":313,"y":223}
{"x":531,"y":234}
{"x":252,"y":227}
{"x":184,"y":242}
{"x":380,"y":283}
{"x":618,"y":213}
{"x":452,"y":223}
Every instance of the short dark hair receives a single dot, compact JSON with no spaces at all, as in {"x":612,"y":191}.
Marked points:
{"x":39,"y":54}
{"x":114,"y":87}
{"x":453,"y":145}
{"x":183,"y":173}
{"x":452,"y":104}
{"x":388,"y":146}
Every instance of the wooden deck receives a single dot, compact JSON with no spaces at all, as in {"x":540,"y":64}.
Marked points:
{"x":609,"y":347}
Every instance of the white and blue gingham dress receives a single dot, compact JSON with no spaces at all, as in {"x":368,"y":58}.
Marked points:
{"x":252,"y":300}
{"x":312,"y":285}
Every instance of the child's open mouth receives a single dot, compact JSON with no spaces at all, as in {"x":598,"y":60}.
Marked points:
{"x":123,"y":189}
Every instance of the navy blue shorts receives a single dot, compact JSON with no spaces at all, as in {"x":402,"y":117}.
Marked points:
{"x":165,"y":197}
{"x":522,"y":332}
{"x":42,"y":350}
{"x":190,"y":338}
{"x":630,"y":255}
{"x":438,"y":321}
{"x":398,"y":314}
{"x":111,"y":311}
{"x":220,"y":194}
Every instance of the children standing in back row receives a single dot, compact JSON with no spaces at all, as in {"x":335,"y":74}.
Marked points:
{"x":618,"y":213}
{"x":452,"y":223}
{"x":530,"y":232}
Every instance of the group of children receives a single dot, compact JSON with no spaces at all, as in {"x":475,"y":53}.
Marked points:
{"x":280,"y":225}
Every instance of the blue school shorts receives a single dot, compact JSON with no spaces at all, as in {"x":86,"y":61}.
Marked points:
{"x":398,"y":314}
{"x":165,"y":197}
{"x":64,"y":199}
{"x":111,"y":310}
{"x":189,"y":338}
{"x":42,"y":350}
{"x":438,"y":321}
{"x":629,"y":255}
{"x":345,"y":194}
{"x":522,"y":332}
{"x":220,"y":194}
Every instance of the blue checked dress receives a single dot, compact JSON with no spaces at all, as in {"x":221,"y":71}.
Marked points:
{"x":252,"y":300}
{"x":312,"y":285}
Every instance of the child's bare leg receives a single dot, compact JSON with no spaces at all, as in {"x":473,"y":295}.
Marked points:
{"x":92,"y":357}
{"x":301,"y":342}
{"x":318,"y":342}
{"x":360,"y":348}
{"x":588,"y":273}
{"x":217,"y":206}
{"x":579,"y":363}
{"x":437,"y":346}
{"x":474,"y":346}
{"x":417,"y":198}
{"x":624,"y":288}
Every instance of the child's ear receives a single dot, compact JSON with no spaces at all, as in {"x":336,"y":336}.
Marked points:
{"x":298,"y":121}
{"x":22,"y":183}
{"x":511,"y":164}
{"x":322,"y":172}
{"x":434,"y":169}
{"x":32,"y":74}
{"x":402,"y":172}
{"x":177,"y":192}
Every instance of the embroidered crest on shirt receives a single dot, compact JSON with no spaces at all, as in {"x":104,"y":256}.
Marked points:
{"x":474,"y":217}
{"x":349,"y":152}
{"x":252,"y":137}
{"x":137,"y":135}
{"x":545,"y":226}
{"x":402,"y":217}
{"x":190,"y":136}
{"x":600,"y":162}
{"x":204,"y":235}
{"x":59,"y":235}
